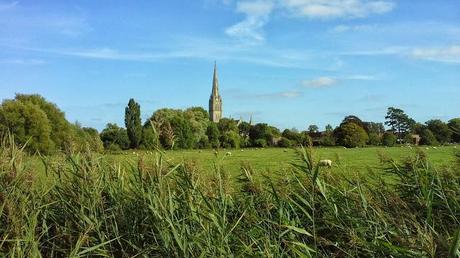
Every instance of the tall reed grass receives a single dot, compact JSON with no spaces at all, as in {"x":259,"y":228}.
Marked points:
{"x":90,"y":207}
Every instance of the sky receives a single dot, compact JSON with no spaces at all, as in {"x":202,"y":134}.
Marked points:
{"x":289,"y":63}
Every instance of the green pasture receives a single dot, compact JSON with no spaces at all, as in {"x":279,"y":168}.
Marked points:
{"x":279,"y":160}
{"x":273,"y":162}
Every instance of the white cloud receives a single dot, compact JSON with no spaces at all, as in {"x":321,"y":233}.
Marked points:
{"x":447,"y":54}
{"x":8,"y":6}
{"x":17,"y":61}
{"x":331,"y":9}
{"x":257,"y":15}
{"x":319,"y":82}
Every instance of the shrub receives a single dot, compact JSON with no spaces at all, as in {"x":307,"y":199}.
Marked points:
{"x":389,"y":139}
{"x":428,"y":138}
{"x":374,"y":139}
{"x":260,"y":143}
{"x":284,"y":142}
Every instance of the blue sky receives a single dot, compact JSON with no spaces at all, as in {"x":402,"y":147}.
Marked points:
{"x":290,"y":63}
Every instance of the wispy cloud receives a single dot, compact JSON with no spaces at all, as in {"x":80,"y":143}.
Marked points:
{"x":332,"y":9}
{"x":8,"y":6}
{"x":326,"y":81}
{"x":19,"y":61}
{"x":449,"y":54}
{"x":280,"y":95}
{"x":319,"y":82}
{"x":257,"y":15}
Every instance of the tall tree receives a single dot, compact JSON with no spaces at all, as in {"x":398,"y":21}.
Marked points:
{"x":454,"y":126}
{"x":399,"y":122}
{"x":133,"y":123}
{"x":313,"y":128}
{"x":440,"y":130}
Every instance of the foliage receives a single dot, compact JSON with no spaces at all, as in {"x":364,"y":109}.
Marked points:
{"x":259,"y":132}
{"x":399,"y":122}
{"x":389,"y":139}
{"x":440,"y":130}
{"x":313,"y":128}
{"x":230,"y":139}
{"x":133,"y":123}
{"x":212,"y":133}
{"x":352,"y":135}
{"x":150,"y":137}
{"x":428,"y":138}
{"x":60,"y":128}
{"x":374,"y":139}
{"x":28,"y":123}
{"x":114,"y":137}
{"x":454,"y":126}
{"x":284,"y":143}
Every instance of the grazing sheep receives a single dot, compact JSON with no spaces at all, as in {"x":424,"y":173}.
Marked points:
{"x":435,"y":147}
{"x":228,"y":153}
{"x":455,"y":147}
{"x":325,"y":163}
{"x":427,"y":148}
{"x":241,"y":150}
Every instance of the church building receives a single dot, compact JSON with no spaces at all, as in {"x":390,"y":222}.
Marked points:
{"x":215,"y":101}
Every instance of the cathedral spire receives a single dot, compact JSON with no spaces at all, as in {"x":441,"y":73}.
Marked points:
{"x":215,"y":101}
{"x":215,"y":82}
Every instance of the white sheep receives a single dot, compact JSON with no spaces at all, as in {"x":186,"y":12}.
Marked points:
{"x":325,"y":163}
{"x":228,"y":153}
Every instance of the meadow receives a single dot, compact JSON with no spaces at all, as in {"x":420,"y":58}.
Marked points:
{"x":270,"y":202}
{"x":276,"y":161}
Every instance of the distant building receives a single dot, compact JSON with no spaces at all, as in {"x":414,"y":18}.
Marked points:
{"x":215,"y":101}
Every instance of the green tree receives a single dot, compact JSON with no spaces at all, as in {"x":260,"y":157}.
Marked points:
{"x":114,"y":137}
{"x":454,"y":126}
{"x":213,"y":135}
{"x":440,"y":130}
{"x":292,"y":135}
{"x":313,"y":128}
{"x":428,"y":138}
{"x":199,"y":120}
{"x":261,"y":131}
{"x":230,"y":139}
{"x":374,"y":139}
{"x":28,"y":123}
{"x":61,"y":131}
{"x":150,"y":137}
{"x":353,"y":135}
{"x":389,"y":139}
{"x":133,"y":123}
{"x":284,"y":143}
{"x":399,"y":122}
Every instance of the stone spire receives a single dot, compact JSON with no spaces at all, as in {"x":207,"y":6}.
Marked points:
{"x":215,"y":82}
{"x":215,"y":101}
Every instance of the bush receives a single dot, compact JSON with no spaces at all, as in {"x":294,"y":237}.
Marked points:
{"x":327,"y":140}
{"x":260,"y":143}
{"x":374,"y":139}
{"x":389,"y":139}
{"x":428,"y":138}
{"x":284,"y":142}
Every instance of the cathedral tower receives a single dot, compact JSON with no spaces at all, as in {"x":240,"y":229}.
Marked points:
{"x":215,"y":101}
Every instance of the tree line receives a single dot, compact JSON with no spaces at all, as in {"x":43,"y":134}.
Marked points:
{"x":41,"y":126}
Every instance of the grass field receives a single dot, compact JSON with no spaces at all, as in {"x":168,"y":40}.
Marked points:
{"x":269,"y":160}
